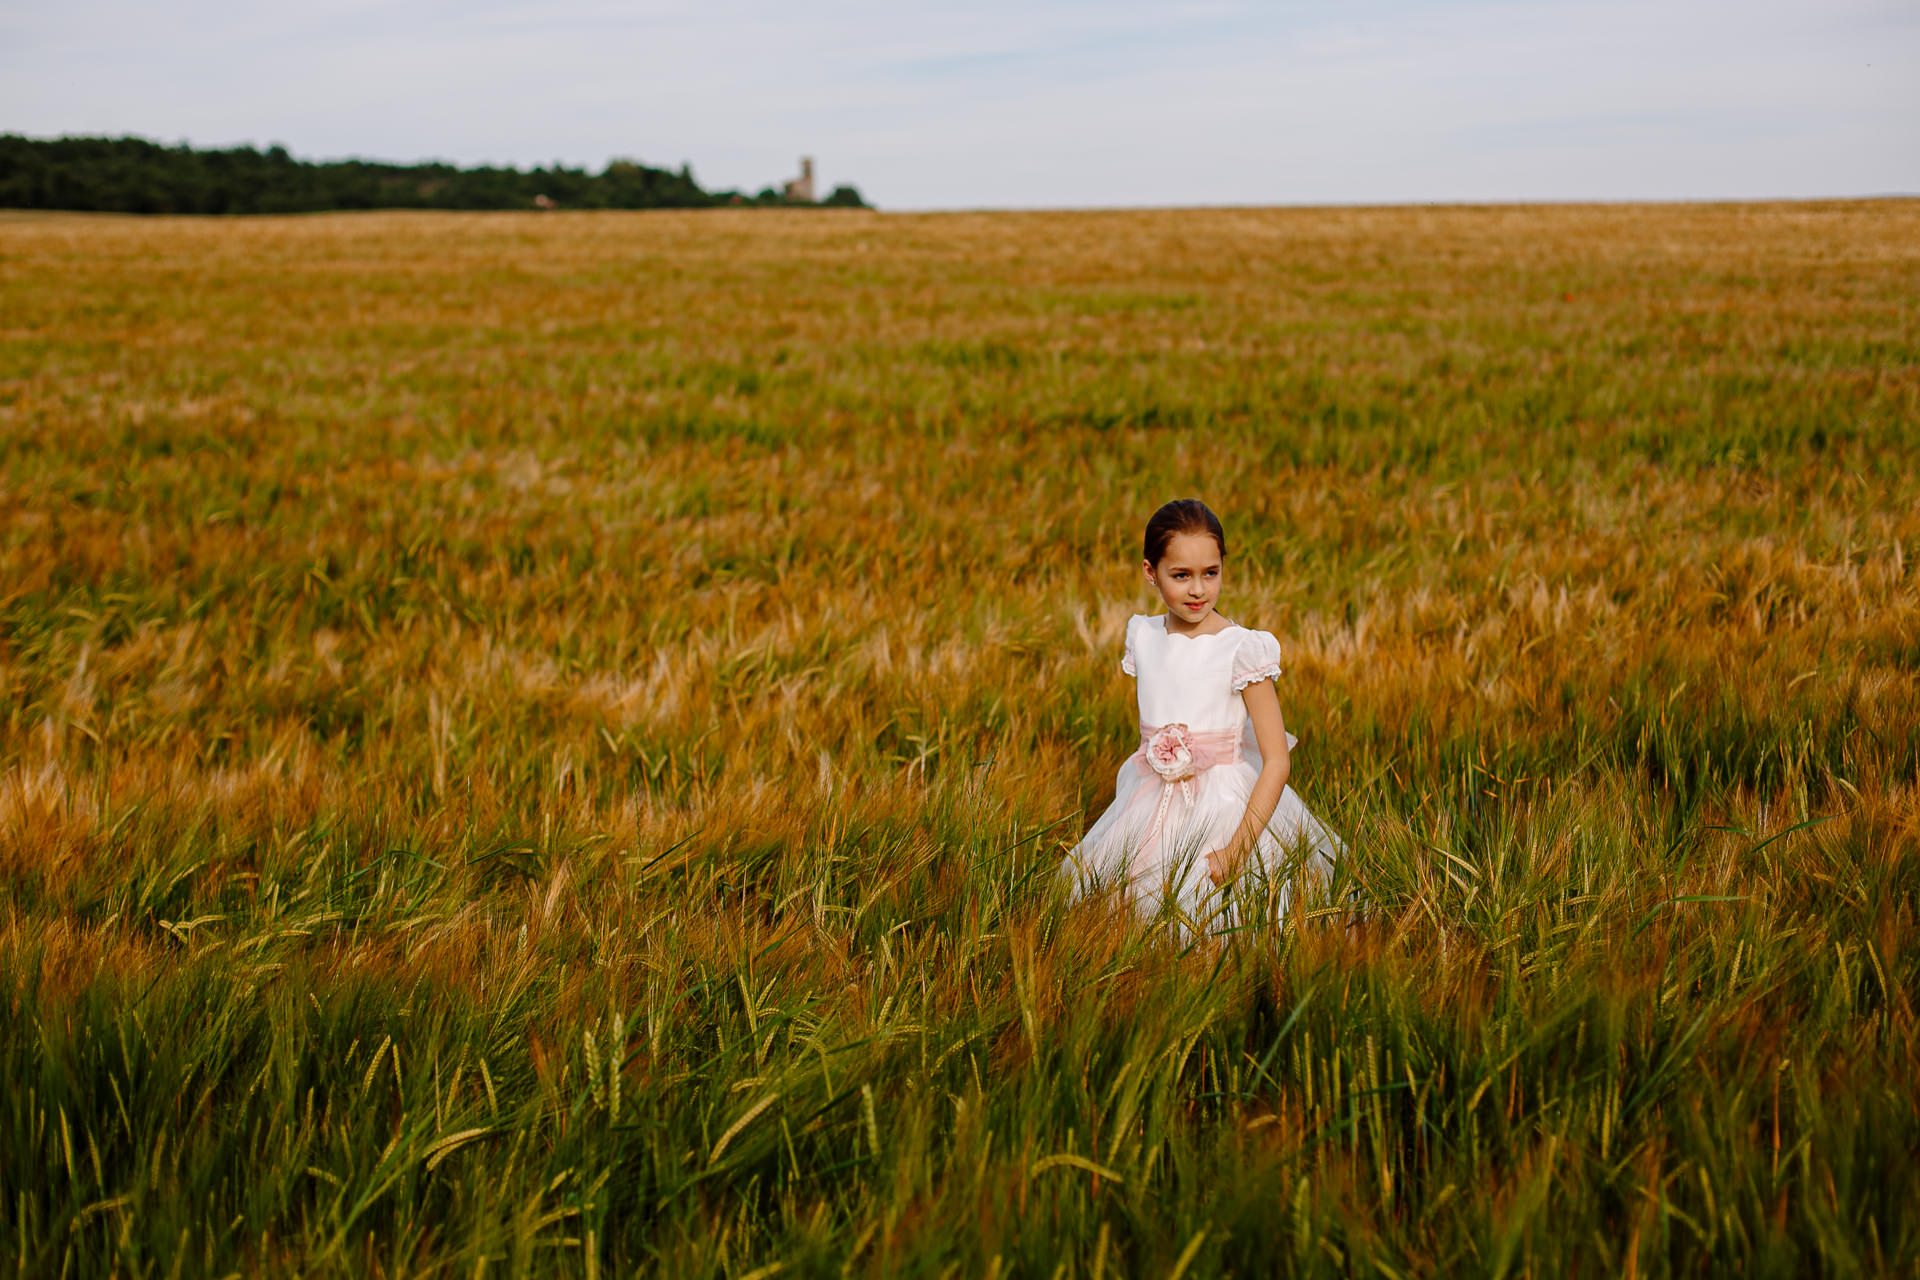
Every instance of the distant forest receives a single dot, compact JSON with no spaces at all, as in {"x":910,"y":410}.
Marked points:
{"x":132,"y":175}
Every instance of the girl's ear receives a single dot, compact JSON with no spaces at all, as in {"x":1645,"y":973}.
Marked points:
{"x":1146,"y":567}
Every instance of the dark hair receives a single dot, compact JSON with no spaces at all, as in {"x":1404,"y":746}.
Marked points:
{"x":1182,"y":515}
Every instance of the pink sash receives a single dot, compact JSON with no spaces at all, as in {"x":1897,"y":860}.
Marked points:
{"x":1178,"y":755}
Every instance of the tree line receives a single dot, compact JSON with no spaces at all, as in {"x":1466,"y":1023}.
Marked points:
{"x":133,"y":175}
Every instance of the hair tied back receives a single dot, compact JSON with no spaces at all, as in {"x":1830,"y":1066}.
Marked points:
{"x":1182,"y":515}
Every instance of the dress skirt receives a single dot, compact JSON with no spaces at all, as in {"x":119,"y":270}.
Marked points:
{"x":1152,"y":842}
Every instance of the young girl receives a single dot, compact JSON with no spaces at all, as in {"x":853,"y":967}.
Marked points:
{"x":1205,"y":798}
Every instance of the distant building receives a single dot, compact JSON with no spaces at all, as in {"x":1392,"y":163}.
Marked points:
{"x":800,"y":189}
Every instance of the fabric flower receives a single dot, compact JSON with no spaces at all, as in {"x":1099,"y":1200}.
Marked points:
{"x":1170,"y":752}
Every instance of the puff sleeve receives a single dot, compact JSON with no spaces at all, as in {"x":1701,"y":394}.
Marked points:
{"x":1126,"y":655}
{"x":1257,"y":658}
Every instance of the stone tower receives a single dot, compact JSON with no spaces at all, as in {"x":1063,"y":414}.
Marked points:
{"x":800,"y":189}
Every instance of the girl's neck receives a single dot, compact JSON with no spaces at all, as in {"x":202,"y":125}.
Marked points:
{"x":1212,"y":624}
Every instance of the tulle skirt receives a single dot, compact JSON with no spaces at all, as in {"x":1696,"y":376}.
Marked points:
{"x":1151,"y":845}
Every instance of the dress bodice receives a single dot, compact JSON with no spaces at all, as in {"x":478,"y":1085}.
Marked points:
{"x":1196,"y":680}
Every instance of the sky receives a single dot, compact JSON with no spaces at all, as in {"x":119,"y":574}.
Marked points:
{"x":1023,"y":103}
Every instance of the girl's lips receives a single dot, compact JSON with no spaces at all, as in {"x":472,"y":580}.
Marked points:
{"x":1195,"y":606}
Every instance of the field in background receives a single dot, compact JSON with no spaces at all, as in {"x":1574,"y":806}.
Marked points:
{"x":541,"y":743}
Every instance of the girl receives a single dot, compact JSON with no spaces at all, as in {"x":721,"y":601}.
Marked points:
{"x":1205,"y":798}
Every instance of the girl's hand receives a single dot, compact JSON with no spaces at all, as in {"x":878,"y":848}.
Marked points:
{"x":1220,"y":865}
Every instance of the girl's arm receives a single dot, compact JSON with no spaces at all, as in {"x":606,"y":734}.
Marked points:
{"x":1263,"y":708}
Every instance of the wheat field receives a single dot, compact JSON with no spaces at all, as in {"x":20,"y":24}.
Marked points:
{"x":541,"y":744}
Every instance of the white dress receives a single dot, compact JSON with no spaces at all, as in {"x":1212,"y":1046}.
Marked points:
{"x":1166,"y":816}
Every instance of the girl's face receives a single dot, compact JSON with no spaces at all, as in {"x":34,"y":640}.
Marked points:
{"x":1188,"y":576}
